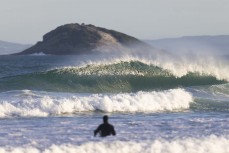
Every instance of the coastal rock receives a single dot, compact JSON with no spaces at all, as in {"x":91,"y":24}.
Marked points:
{"x":73,"y":39}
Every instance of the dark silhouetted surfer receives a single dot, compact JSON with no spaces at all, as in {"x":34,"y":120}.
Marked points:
{"x":105,"y":129}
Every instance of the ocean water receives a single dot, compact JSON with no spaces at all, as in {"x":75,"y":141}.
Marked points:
{"x":157,"y":103}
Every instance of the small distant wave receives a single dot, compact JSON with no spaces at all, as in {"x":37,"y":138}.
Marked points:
{"x":38,"y":54}
{"x":210,"y":144}
{"x":31,"y":103}
{"x":130,"y":76}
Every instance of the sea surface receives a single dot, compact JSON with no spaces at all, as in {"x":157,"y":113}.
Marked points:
{"x":157,"y":103}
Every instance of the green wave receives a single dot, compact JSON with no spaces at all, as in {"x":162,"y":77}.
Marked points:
{"x":119,"y":77}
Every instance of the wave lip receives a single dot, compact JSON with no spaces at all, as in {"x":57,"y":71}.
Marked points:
{"x":29,"y":103}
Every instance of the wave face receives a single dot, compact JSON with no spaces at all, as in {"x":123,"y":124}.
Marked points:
{"x":211,"y":98}
{"x":210,"y":144}
{"x":122,"y":76}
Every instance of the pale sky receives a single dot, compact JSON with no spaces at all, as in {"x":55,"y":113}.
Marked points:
{"x":26,"y":21}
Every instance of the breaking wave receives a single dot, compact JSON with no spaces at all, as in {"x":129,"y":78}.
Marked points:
{"x":27,"y":103}
{"x":31,"y":103}
{"x":129,"y":76}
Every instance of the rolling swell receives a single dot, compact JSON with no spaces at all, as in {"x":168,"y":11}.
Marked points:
{"x":119,"y":77}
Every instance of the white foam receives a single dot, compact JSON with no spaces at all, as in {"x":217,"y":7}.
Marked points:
{"x":29,"y":103}
{"x":210,"y":144}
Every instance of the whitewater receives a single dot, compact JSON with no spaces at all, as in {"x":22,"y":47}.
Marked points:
{"x":158,"y":103}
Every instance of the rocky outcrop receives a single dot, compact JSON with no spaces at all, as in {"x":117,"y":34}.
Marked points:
{"x":72,"y":39}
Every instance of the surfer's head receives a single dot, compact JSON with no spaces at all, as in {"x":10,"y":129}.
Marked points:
{"x":105,"y":119}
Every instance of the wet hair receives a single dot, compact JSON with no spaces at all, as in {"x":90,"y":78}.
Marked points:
{"x":105,"y":118}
